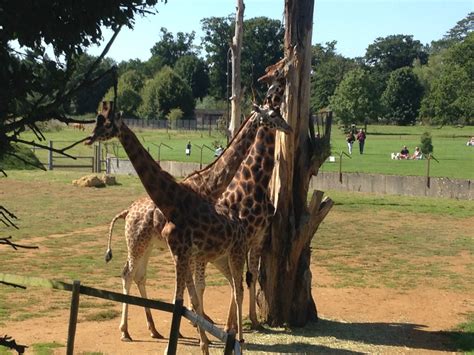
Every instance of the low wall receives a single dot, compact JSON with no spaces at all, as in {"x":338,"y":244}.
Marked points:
{"x":395,"y":185}
{"x":124,"y":166}
{"x":374,"y":183}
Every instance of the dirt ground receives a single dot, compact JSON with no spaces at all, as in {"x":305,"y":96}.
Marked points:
{"x":398,"y":322}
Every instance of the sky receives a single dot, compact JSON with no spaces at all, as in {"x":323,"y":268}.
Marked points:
{"x":354,"y":24}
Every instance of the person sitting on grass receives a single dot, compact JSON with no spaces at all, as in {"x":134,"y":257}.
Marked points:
{"x":417,"y":154}
{"x":404,"y":153}
{"x":470,"y":142}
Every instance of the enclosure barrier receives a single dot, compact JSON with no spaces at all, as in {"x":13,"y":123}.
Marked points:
{"x":178,"y":310}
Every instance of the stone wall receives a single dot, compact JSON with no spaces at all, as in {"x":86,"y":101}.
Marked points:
{"x":395,"y":185}
{"x":374,"y":183}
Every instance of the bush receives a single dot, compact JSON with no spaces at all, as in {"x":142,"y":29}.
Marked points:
{"x":166,"y":91}
{"x":426,"y":144}
{"x":174,"y":116}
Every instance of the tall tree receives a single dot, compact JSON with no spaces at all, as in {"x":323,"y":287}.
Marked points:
{"x":216,"y":43}
{"x":396,"y":51}
{"x":169,"y":49}
{"x":166,"y":91}
{"x":285,"y":276}
{"x":450,"y":98}
{"x":355,"y":99}
{"x":328,"y":70}
{"x":455,"y":35}
{"x":236,"y":49}
{"x":195,"y":72}
{"x":402,"y":96}
{"x":262,"y":39}
{"x":129,"y":87}
{"x":262,"y":46}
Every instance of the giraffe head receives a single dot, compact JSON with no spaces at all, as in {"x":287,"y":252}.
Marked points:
{"x":275,"y":78}
{"x":107,"y":124}
{"x":271,"y":118}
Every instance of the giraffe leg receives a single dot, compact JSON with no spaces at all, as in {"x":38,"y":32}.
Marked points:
{"x":200,"y":284}
{"x":222,"y":264}
{"x":127,"y":276}
{"x":236,"y":263}
{"x":254,"y":258}
{"x":204,"y":340}
{"x":140,"y":280}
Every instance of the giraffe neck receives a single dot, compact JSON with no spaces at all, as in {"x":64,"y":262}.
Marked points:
{"x":159,"y":184}
{"x":249,"y":187}
{"x":213,"y":180}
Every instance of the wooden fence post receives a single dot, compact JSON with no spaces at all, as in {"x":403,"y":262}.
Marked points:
{"x":76,"y":286}
{"x":99,"y":158}
{"x":50,"y":156}
{"x":175,"y":323}
{"x":229,"y":343}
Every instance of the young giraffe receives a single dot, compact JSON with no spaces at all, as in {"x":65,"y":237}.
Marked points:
{"x":144,"y":221}
{"x":194,"y":225}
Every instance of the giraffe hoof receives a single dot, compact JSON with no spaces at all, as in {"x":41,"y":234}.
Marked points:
{"x":157,"y":336}
{"x":126,"y":338}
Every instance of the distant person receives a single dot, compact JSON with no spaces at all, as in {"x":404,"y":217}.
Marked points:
{"x":188,"y":148}
{"x":218,"y":151}
{"x":404,"y":153}
{"x":350,"y":140}
{"x":361,"y":138}
{"x":470,"y":142}
{"x":417,"y":154}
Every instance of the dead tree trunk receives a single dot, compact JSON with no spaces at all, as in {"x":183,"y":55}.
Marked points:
{"x":236,"y":48}
{"x":285,"y":277}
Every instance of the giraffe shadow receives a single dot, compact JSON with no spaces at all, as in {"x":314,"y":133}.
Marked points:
{"x":407,"y":335}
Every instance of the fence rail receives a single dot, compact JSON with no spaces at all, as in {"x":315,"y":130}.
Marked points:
{"x":178,"y":310}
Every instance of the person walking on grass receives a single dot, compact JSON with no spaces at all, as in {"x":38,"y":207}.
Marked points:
{"x":361,"y":139}
{"x":188,"y":148}
{"x":350,"y":140}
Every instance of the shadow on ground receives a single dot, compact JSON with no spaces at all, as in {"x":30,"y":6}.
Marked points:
{"x":406,"y":335}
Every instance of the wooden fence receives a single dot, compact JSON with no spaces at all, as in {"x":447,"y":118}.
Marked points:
{"x":178,"y":310}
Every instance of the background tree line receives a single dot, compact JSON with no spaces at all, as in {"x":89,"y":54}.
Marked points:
{"x":398,"y":80}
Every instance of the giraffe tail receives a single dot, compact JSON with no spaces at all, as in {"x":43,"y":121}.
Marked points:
{"x":108,"y":253}
{"x":248,"y":274}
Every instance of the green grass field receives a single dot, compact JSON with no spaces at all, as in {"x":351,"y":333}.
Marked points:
{"x":456,"y":160}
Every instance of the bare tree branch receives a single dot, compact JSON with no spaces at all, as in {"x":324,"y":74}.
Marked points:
{"x":33,"y":143}
{"x":6,"y":241}
{"x":49,"y":111}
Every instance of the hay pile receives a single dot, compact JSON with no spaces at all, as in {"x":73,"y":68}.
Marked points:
{"x":95,"y":180}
